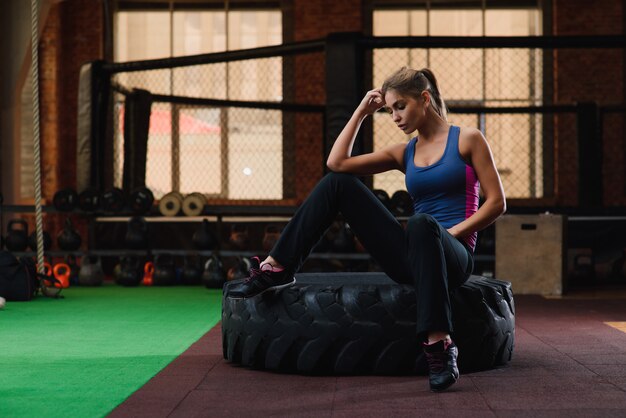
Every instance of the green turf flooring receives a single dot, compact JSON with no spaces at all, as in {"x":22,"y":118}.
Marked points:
{"x":82,"y":355}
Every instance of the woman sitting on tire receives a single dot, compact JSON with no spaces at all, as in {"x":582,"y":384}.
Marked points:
{"x":444,"y":166}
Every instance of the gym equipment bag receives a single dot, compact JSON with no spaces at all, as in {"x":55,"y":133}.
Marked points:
{"x":18,"y":278}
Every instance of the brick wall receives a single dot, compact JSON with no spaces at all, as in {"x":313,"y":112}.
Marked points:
{"x":315,"y":20}
{"x":50,"y":84}
{"x":590,"y":75}
{"x":72,"y":35}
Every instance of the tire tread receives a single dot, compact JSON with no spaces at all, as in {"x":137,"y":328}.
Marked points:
{"x":358,"y":323}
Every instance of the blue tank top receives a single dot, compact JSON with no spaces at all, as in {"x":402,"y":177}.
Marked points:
{"x":448,"y":189}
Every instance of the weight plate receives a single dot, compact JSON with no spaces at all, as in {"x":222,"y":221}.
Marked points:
{"x":193,"y":204}
{"x":89,"y":200}
{"x":113,"y":200}
{"x":65,"y":200}
{"x":141,"y":200}
{"x":170,"y":204}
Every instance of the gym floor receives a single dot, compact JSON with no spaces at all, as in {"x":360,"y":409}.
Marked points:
{"x":571,"y":365}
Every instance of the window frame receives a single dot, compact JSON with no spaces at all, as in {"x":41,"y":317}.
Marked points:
{"x":173,"y":6}
{"x":543,"y":7}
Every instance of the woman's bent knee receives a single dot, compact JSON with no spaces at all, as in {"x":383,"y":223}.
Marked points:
{"x":340,"y":179}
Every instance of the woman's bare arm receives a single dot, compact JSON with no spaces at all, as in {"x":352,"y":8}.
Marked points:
{"x":340,"y":159}
{"x":494,"y":203}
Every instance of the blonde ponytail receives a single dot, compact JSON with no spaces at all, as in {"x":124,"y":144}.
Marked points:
{"x":439,"y":104}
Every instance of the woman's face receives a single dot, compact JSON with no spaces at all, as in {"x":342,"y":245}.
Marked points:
{"x":407,"y":112}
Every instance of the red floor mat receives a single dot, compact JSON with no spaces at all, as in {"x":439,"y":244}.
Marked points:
{"x":567,"y":362}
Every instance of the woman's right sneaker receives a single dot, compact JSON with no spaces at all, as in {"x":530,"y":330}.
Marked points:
{"x":261,"y":279}
{"x":442,"y":368}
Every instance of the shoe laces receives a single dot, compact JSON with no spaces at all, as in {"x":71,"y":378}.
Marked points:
{"x":255,"y":272}
{"x":436,"y":361}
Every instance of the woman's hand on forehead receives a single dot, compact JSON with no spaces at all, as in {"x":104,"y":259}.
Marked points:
{"x":372,"y":101}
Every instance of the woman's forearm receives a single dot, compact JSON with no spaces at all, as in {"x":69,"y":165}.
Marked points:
{"x":342,"y":148}
{"x":488,"y":212}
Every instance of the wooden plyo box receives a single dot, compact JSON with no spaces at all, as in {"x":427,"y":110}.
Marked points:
{"x":530,"y":253}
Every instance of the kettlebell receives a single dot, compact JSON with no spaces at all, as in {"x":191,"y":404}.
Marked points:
{"x":136,"y":233}
{"x":70,"y":260}
{"x":192,"y":271}
{"x":129,"y":271}
{"x":50,"y":288}
{"x":68,"y":238}
{"x":91,"y":273}
{"x":17,"y":235}
{"x":213,"y":276}
{"x":344,"y":239}
{"x":270,"y":237}
{"x":203,"y":238}
{"x":239,"y":270}
{"x":401,"y":203}
{"x":148,"y":273}
{"x":383,"y":197}
{"x":47,"y":272}
{"x":239,"y":237}
{"x":164,"y":270}
{"x":62,"y":273}
{"x":47,"y":241}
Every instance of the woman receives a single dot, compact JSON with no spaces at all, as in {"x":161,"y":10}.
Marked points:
{"x":444,"y":166}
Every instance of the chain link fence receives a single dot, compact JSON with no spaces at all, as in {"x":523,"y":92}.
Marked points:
{"x":489,"y":78}
{"x":231,"y":134}
{"x":237,"y":152}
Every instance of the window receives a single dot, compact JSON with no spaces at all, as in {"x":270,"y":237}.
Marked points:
{"x":484,"y":77}
{"x":230,"y":153}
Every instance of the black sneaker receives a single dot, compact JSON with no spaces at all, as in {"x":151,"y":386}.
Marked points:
{"x":261,"y":279}
{"x":442,"y":369}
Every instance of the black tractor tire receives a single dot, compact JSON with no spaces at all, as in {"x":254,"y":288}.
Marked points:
{"x":362,"y":323}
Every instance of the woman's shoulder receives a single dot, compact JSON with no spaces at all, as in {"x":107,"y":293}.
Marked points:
{"x":470,"y":140}
{"x":404,"y":146}
{"x":468,"y":133}
{"x":401,"y":148}
{"x":397,"y":151}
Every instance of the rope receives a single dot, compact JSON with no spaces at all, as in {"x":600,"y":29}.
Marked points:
{"x":34,"y":8}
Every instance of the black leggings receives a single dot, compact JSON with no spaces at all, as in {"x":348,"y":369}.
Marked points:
{"x":423,"y":254}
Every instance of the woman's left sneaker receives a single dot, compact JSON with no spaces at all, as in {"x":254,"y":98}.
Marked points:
{"x":261,"y":279}
{"x":442,"y":368}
